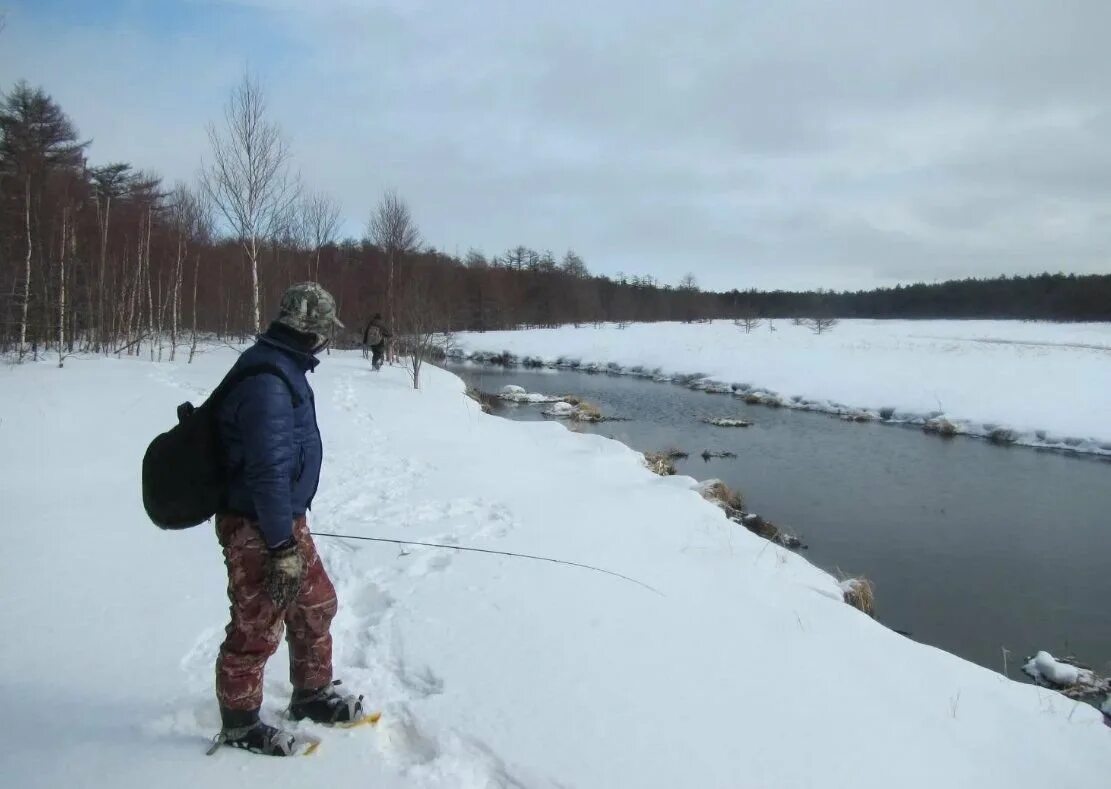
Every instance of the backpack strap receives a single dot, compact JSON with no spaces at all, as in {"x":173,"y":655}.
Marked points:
{"x":237,"y":377}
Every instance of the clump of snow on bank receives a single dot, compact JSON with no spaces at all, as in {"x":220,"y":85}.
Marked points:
{"x":724,"y":421}
{"x":490,"y":671}
{"x":1075,"y":681}
{"x":560,"y":410}
{"x":999,"y":380}
{"x":1046,"y":668}
{"x":517,"y":394}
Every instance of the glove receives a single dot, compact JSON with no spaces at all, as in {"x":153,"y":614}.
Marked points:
{"x":283,"y":574}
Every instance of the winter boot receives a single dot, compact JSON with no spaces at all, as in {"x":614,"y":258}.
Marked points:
{"x":325,"y":705}
{"x":243,"y":729}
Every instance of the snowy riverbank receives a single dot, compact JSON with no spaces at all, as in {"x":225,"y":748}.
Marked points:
{"x":1037,"y":384}
{"x":492,"y":672}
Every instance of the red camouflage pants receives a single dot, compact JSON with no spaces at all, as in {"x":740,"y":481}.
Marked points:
{"x":255,"y":629}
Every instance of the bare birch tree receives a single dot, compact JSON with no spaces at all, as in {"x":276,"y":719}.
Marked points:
{"x":62,"y":288}
{"x":189,"y":221}
{"x":423,"y":323}
{"x":392,"y":230}
{"x":249,"y":179}
{"x":26,"y":272}
{"x":320,"y":224}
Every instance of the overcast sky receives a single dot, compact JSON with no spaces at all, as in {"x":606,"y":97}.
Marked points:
{"x":796,"y":143}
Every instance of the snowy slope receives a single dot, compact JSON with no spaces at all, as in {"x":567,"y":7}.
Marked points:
{"x":1045,"y":381}
{"x":492,"y":672}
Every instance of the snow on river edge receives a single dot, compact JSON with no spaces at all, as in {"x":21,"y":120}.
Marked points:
{"x":1038,"y":384}
{"x":748,"y":670}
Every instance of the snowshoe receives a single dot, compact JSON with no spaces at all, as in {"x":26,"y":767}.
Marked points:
{"x":257,"y":737}
{"x":326,"y":705}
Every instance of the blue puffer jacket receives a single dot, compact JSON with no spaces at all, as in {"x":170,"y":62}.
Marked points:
{"x":272,"y":449}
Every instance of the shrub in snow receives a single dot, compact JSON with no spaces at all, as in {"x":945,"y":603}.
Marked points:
{"x":488,"y":401}
{"x":587,"y":412}
{"x":721,"y":494}
{"x":687,"y":379}
{"x":860,"y":593}
{"x":764,"y":398}
{"x":941,"y":426}
{"x":887,"y":413}
{"x":1002,"y":435}
{"x":857,"y":416}
{"x":768,"y":530}
{"x":788,"y":540}
{"x":659,"y":463}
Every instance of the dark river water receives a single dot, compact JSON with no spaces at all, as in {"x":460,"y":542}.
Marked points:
{"x":972,"y":547}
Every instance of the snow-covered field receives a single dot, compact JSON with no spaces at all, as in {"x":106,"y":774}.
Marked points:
{"x":747,"y":670}
{"x":1041,"y":384}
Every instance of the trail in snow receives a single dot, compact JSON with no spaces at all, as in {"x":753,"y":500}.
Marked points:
{"x":369,"y":488}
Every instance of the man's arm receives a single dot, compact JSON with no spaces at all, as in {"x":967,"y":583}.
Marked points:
{"x":265,"y":420}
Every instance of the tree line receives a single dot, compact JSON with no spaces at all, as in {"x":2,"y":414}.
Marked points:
{"x":1054,"y":297}
{"x":108,"y":258}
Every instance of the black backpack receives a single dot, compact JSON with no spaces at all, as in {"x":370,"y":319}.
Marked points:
{"x":184,"y":481}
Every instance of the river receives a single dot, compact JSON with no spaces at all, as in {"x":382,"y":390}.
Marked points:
{"x":972,"y":547}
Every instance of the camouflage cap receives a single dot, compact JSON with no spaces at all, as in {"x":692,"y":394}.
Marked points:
{"x":308,"y":308}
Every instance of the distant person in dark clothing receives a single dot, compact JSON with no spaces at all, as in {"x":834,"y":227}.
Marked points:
{"x":374,"y":337}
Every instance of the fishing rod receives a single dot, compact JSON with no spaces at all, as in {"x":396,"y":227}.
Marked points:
{"x":491,"y":551}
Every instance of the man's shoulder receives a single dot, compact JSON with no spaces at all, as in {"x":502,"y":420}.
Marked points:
{"x":269,"y":373}
{"x":263,"y":355}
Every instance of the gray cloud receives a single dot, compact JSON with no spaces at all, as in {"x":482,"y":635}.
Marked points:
{"x":791,"y":144}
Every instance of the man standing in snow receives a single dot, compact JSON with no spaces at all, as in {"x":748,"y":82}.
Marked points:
{"x":273,"y":453}
{"x":374,"y":337}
